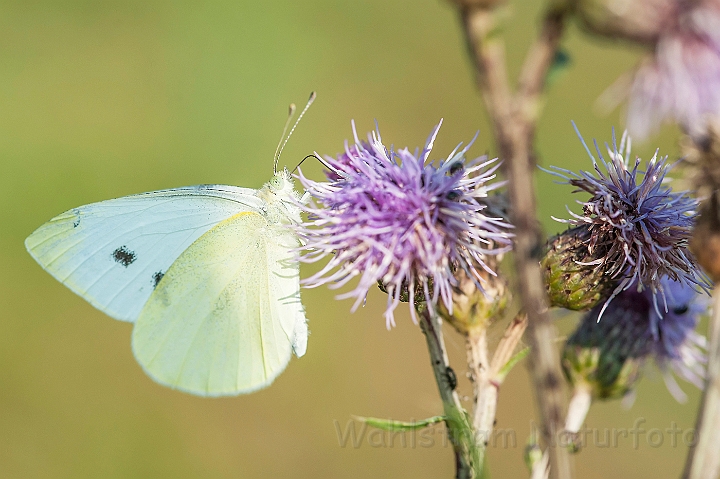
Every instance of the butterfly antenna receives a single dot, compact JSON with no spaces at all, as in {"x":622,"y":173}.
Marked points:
{"x":282,"y":143}
{"x":323,"y":162}
{"x":291,"y":112}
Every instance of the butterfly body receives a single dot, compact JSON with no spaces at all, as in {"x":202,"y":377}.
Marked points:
{"x":207,"y":273}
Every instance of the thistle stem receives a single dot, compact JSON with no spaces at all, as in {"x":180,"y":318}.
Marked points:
{"x":487,"y":376}
{"x":578,"y":409}
{"x":506,"y":346}
{"x":513,"y":118}
{"x":703,"y":460}
{"x":461,"y":436}
{"x":484,"y":388}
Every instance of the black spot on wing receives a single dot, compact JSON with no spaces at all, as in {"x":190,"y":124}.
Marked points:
{"x":157,"y":277}
{"x":76,"y":223}
{"x":124,"y":256}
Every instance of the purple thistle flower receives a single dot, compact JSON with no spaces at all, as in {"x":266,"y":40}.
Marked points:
{"x":631,"y":332}
{"x":389,"y":216}
{"x":681,"y":80}
{"x":344,"y":160}
{"x":640,"y":228}
{"x":677,"y":346}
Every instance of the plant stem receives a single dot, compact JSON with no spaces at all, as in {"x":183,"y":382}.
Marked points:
{"x":485,"y":391}
{"x":513,"y":118}
{"x":487,"y":376}
{"x":506,"y":346}
{"x":703,"y":460}
{"x":456,"y":420}
{"x":578,"y":409}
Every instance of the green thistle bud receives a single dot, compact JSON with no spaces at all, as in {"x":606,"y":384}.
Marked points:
{"x":473,"y":308}
{"x":607,"y":377}
{"x":570,"y":282}
{"x":533,"y":453}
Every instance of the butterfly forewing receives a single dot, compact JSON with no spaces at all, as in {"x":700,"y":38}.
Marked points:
{"x":114,"y":253}
{"x":225,"y":317}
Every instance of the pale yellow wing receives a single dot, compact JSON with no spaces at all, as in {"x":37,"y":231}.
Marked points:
{"x":224,"y":318}
{"x":114,"y":252}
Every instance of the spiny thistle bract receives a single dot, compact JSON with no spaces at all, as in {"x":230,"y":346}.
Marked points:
{"x":607,"y":356}
{"x":390,"y":216}
{"x":639,"y":229}
{"x":474,"y":309}
{"x":569,"y":281}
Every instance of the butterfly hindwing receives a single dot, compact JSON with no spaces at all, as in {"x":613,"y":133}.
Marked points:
{"x":115,"y":252}
{"x":226,"y":316}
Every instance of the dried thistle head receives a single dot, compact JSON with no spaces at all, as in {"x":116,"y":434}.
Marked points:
{"x":702,"y":160}
{"x":702,"y":171}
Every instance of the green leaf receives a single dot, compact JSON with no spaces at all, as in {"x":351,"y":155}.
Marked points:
{"x":394,"y":426}
{"x":462,"y":432}
{"x":516,"y":358}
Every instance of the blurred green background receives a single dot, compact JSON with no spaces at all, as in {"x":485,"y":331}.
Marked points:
{"x":104,"y":99}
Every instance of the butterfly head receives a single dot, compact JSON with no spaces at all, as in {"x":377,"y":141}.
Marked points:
{"x":281,"y":198}
{"x":281,"y":184}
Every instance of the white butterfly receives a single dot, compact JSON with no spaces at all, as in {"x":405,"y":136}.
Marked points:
{"x":207,"y":273}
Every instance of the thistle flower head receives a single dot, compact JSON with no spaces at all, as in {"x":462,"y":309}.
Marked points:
{"x":639,"y":228}
{"x":390,"y":216}
{"x":680,"y":81}
{"x":344,"y":160}
{"x":630,"y":333}
{"x":701,"y":165}
{"x":677,"y":346}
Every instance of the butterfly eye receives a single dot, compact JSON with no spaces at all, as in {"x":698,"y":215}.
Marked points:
{"x":275,"y":182}
{"x":681,"y":309}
